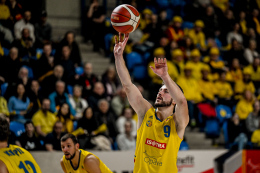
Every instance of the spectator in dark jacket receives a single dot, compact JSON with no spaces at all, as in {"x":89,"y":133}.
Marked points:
{"x":252,"y":121}
{"x":35,"y":97}
{"x":28,"y":139}
{"x":236,"y":132}
{"x":98,"y":93}
{"x":87,"y":80}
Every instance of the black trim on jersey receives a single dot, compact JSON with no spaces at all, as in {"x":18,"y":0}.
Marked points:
{"x":78,"y":163}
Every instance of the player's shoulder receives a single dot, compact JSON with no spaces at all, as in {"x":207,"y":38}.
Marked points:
{"x":90,"y":159}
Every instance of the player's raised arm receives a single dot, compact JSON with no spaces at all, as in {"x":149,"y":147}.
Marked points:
{"x":181,"y":109}
{"x":139,"y":104}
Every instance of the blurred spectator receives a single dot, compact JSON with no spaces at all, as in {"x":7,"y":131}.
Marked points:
{"x":252,"y":121}
{"x":3,"y":105}
{"x":107,"y":117}
{"x":127,"y":115}
{"x":236,"y":51}
{"x":59,"y":97}
{"x":235,"y":73}
{"x":242,"y":22}
{"x":224,"y":90}
{"x":156,"y":80}
{"x":223,"y":5}
{"x":15,"y":10}
{"x":235,"y":34}
{"x":215,"y":63}
{"x":4,"y":14}
{"x":207,"y":88}
{"x":119,"y":102}
{"x":67,"y":64}
{"x":236,"y":132}
{"x":45,"y":65}
{"x":43,"y":30}
{"x":245,"y":84}
{"x":35,"y":97}
{"x":23,"y":77}
{"x":146,"y":18}
{"x":191,"y":91}
{"x":226,"y":24}
{"x":77,"y":102}
{"x":255,"y":73}
{"x":43,"y":119}
{"x":24,"y":23}
{"x":48,"y":83}
{"x":187,"y":46}
{"x":6,"y":36}
{"x":110,"y":82}
{"x":126,"y":141}
{"x":250,"y":53}
{"x":98,"y":93}
{"x":28,"y":139}
{"x":195,"y":64}
{"x":245,"y":106}
{"x":52,"y":140}
{"x":197,"y":35}
{"x":18,"y":104}
{"x":91,"y":123}
{"x":255,"y":139}
{"x":9,"y":66}
{"x":95,"y":24}
{"x":162,"y":20}
{"x":65,"y":117}
{"x":87,"y":80}
{"x":210,"y":22}
{"x":251,"y":35}
{"x":69,"y":40}
{"x":175,"y":32}
{"x":254,"y":21}
{"x":153,"y":31}
{"x":12,"y":139}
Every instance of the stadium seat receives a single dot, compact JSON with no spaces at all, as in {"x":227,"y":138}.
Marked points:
{"x":225,"y":132}
{"x":132,"y":59}
{"x":184,"y":146}
{"x":17,"y":128}
{"x":136,"y":65}
{"x":162,"y":3}
{"x":39,"y":53}
{"x":6,"y":51}
{"x":212,"y":128}
{"x":3,"y":88}
{"x":70,"y":89}
{"x":223,"y":113}
{"x":79,"y":70}
{"x":187,"y":25}
{"x":75,"y":125}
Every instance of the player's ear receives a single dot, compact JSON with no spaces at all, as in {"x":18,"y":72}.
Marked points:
{"x":77,"y":146}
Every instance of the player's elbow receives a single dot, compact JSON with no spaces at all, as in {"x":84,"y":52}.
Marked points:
{"x":127,"y":87}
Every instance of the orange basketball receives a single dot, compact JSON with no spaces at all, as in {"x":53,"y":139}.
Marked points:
{"x":125,"y":18}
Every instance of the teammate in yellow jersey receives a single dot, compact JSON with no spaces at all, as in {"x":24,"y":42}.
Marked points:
{"x":14,"y":159}
{"x":76,"y":160}
{"x":161,"y":130}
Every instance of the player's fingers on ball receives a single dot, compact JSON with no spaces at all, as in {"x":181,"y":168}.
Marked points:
{"x":116,"y":41}
{"x":119,"y":35}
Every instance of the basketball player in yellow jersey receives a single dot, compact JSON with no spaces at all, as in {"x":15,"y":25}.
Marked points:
{"x":161,"y":130}
{"x":14,"y":159}
{"x":76,"y":160}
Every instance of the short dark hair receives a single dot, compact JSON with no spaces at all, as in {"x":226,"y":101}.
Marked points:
{"x":28,"y":122}
{"x":4,"y":129}
{"x":176,"y":84}
{"x":71,"y":136}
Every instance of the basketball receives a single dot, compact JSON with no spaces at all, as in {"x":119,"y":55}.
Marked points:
{"x":125,"y":18}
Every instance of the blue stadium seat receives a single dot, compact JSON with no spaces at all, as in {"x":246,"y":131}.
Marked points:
{"x":223,"y":113}
{"x":212,"y":128}
{"x":39,"y":52}
{"x":108,"y":38}
{"x":225,"y":132}
{"x":70,"y":89}
{"x":79,"y":70}
{"x":30,"y":71}
{"x":162,"y":3}
{"x":75,"y":125}
{"x":184,"y":146}
{"x":6,"y":51}
{"x":136,"y":65}
{"x":17,"y":128}
{"x":3,"y":88}
{"x":187,"y":25}
{"x":132,"y":59}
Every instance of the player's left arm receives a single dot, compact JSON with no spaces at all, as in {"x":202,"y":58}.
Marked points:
{"x":3,"y":168}
{"x":62,"y":166}
{"x":181,"y":108}
{"x":91,"y":164}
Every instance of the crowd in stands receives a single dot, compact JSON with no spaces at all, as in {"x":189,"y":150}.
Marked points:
{"x":212,"y":48}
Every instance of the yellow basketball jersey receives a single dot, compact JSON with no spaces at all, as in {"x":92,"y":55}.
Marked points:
{"x":157,"y":145}
{"x":18,"y":160}
{"x":80,"y":169}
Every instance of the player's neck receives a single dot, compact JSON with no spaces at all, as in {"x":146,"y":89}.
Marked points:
{"x":3,"y":145}
{"x":162,"y":113}
{"x":75,"y":160}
